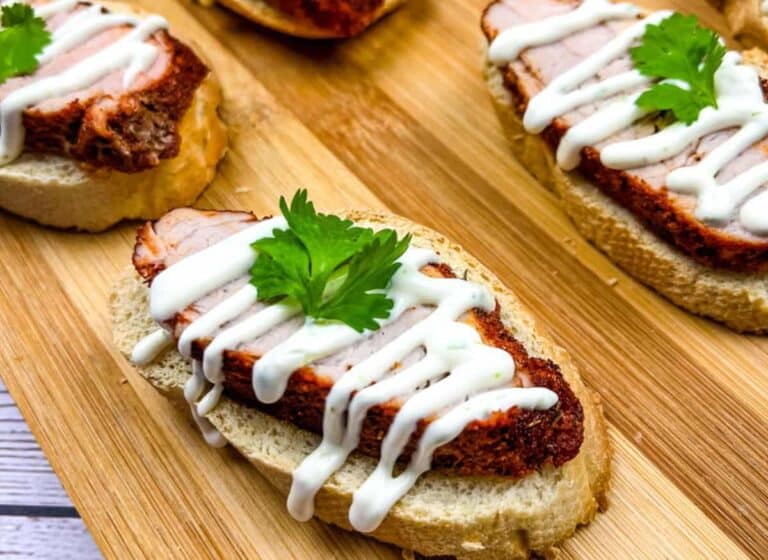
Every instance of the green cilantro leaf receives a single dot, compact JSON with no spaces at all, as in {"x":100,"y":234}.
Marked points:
{"x":22,"y":38}
{"x":355,"y":302}
{"x":329,"y":240}
{"x":667,"y":97}
{"x":678,"y":48}
{"x":282,"y":268}
{"x":335,"y":270}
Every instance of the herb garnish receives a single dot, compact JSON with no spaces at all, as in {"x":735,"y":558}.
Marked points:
{"x":335,"y":270}
{"x":678,"y":48}
{"x":22,"y":38}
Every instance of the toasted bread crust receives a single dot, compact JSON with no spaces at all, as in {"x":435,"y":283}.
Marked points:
{"x":746,"y":21}
{"x":129,"y":134}
{"x":512,"y":444}
{"x":655,"y":208}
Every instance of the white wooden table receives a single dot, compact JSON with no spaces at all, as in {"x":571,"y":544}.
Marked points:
{"x":37,"y":519}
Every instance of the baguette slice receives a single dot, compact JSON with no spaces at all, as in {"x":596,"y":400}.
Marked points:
{"x":736,"y":299}
{"x":468,"y":517}
{"x":746,"y":21}
{"x":263,"y":13}
{"x":57,"y":191}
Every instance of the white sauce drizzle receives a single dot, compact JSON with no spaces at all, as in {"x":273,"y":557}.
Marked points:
{"x":193,"y":390}
{"x":199,"y":274}
{"x":460,"y":379}
{"x":50,"y":9}
{"x":150,"y":347}
{"x":381,"y":490}
{"x":740,"y":104}
{"x":271,"y":372}
{"x":512,"y":41}
{"x":131,"y":53}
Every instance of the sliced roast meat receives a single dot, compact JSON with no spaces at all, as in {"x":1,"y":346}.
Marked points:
{"x":641,"y":191}
{"x":340,"y":17}
{"x":510,"y":443}
{"x":107,"y":125}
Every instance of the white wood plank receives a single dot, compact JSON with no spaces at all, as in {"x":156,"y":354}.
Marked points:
{"x":26,"y":477}
{"x":43,"y":539}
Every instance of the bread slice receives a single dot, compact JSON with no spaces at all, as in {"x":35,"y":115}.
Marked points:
{"x":468,"y":517}
{"x":57,"y":191}
{"x":746,"y":21}
{"x":265,"y":14}
{"x":736,"y":299}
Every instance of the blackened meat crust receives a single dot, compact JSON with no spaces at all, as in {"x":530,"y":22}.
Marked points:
{"x":129,"y":133}
{"x":344,"y":18}
{"x":511,"y":444}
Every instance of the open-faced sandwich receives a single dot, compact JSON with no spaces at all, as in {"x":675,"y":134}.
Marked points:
{"x":653,"y":134}
{"x":372,"y":370}
{"x":313,"y":19}
{"x":747,"y":20}
{"x":104,"y":115}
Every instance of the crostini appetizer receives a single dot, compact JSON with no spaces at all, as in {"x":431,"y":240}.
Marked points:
{"x":376,"y":373}
{"x":313,"y":19}
{"x":653,"y":134}
{"x":747,"y":20}
{"x":104,"y":114}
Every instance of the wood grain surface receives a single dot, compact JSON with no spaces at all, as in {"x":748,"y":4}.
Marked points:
{"x":398,"y":118}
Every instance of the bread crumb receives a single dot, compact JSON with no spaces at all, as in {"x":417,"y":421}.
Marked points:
{"x":472,"y":546}
{"x":612,"y":281}
{"x":638,"y":437}
{"x":408,"y":555}
{"x":570,"y":244}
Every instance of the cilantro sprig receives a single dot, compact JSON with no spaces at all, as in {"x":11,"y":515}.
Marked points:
{"x":333,"y":269}
{"x":679,"y":49}
{"x":23,"y":37}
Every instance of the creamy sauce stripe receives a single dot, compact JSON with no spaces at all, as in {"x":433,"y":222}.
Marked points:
{"x":740,"y":104}
{"x":131,"y":54}
{"x":459,"y":379}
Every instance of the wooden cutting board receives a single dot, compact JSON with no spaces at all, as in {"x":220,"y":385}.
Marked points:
{"x":397,"y":119}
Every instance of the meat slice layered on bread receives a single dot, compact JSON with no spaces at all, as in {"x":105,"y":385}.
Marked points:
{"x":512,"y":443}
{"x":517,"y":445}
{"x":108,"y":125}
{"x":642,"y":191}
